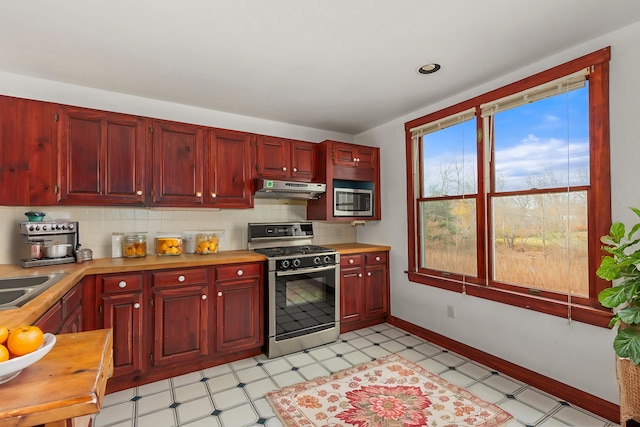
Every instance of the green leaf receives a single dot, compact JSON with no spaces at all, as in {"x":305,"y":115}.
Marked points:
{"x":627,"y":344}
{"x":609,"y":269}
{"x":630,"y":315}
{"x":612,"y":297}
{"x":616,"y":231}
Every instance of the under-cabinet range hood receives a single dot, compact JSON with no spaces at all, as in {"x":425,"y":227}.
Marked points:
{"x":276,"y":189}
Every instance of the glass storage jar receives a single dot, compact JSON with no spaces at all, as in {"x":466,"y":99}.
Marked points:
{"x":207,"y":243}
{"x":134,"y":245}
{"x":168,"y":244}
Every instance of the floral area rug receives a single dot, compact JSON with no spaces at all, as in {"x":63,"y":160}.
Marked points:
{"x":388,"y":392}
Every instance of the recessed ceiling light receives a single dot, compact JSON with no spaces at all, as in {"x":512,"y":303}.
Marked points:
{"x":429,"y":68}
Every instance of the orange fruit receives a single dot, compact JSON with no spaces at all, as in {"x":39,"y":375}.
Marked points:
{"x":24,"y":340}
{"x":4,"y":353}
{"x":4,"y":334}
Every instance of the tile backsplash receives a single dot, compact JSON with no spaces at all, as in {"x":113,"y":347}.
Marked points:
{"x":97,"y":223}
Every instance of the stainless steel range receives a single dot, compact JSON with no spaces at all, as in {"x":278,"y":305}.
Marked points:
{"x":303,"y":292}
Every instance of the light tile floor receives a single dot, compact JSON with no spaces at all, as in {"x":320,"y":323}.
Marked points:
{"x":232,"y":395}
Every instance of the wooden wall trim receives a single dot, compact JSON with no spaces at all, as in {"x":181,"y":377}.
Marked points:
{"x":577,"y":397}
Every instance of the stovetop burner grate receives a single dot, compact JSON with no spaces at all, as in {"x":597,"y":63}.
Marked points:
{"x":293,"y":250}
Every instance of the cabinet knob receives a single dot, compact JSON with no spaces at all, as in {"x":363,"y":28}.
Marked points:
{"x":284,"y":168}
{"x":240,"y":273}
{"x":369,"y":274}
{"x":122,"y":284}
{"x":136,"y":305}
{"x":355,"y":159}
{"x":351,"y":261}
{"x":377,"y":258}
{"x":219,"y":294}
{"x":181,"y":278}
{"x":214,"y":195}
{"x":359,"y":274}
{"x":295,"y":169}
{"x":139,"y":192}
{"x":199,"y":194}
{"x":204,"y":297}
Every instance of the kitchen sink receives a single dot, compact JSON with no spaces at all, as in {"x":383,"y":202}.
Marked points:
{"x":17,"y":291}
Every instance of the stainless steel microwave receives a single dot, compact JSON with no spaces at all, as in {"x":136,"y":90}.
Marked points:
{"x":352,"y":202}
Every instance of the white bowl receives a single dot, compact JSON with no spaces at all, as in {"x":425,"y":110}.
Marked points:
{"x":9,"y":369}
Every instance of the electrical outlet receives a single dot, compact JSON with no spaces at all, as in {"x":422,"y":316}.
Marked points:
{"x":451,"y":312}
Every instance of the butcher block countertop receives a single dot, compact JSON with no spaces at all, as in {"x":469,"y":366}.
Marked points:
{"x":357,"y":248}
{"x":67,"y":383}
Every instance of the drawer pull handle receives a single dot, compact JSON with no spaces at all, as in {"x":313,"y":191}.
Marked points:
{"x":122,"y":284}
{"x":369,"y":274}
{"x":359,"y":274}
{"x":377,"y":258}
{"x":136,"y":305}
{"x":181,"y":278}
{"x":351,"y":261}
{"x":240,"y":273}
{"x":219,"y":294}
{"x":204,"y":297}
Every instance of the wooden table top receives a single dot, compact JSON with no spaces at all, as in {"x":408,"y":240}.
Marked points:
{"x":67,"y":382}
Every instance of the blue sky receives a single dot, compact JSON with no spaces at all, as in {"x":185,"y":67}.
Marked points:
{"x":541,"y":144}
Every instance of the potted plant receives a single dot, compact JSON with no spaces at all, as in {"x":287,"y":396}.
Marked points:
{"x":621,"y":267}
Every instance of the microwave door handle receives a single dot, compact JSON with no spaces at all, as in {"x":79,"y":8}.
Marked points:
{"x":304,"y":270}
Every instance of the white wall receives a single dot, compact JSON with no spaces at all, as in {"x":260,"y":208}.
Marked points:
{"x":574,"y":353}
{"x":97,"y":224}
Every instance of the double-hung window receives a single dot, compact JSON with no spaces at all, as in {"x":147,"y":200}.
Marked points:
{"x":509,"y":192}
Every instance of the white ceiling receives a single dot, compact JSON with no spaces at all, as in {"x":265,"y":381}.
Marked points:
{"x":339,"y":65}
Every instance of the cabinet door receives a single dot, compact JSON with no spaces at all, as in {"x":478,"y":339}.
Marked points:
{"x":177,"y":164}
{"x":27,"y":153}
{"x":375,"y":291}
{"x":366,"y":157}
{"x":303,"y":161}
{"x":72,"y":310}
{"x":272,"y":157}
{"x":102,"y":158}
{"x":344,"y":154}
{"x":350,"y":294}
{"x":51,"y":320}
{"x":124,"y":314}
{"x":238,"y":314}
{"x":228,"y":169}
{"x":180,"y":324}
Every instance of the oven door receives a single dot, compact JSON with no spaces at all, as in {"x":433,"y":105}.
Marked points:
{"x":303,"y":302}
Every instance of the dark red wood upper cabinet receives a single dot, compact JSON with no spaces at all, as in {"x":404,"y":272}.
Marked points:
{"x":303,"y":160}
{"x":27,"y":152}
{"x":177,"y":164}
{"x":272,"y":156}
{"x":102,"y":158}
{"x":228,"y":170}
{"x":280,"y":158}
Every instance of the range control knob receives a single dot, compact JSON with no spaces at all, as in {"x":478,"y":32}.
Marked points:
{"x":44,"y":227}
{"x":285,"y":263}
{"x":327,"y":259}
{"x":71,"y":226}
{"x":317,"y":260}
{"x":296,"y":262}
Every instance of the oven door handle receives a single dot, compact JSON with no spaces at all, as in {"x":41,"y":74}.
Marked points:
{"x":305,"y":270}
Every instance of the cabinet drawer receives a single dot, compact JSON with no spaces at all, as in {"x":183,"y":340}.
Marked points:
{"x":376,"y":258}
{"x":350,"y":260}
{"x":180,"y":277}
{"x":237,"y":271}
{"x":122,"y":283}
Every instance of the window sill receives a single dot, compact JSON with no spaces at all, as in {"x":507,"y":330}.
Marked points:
{"x":580,"y":313}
